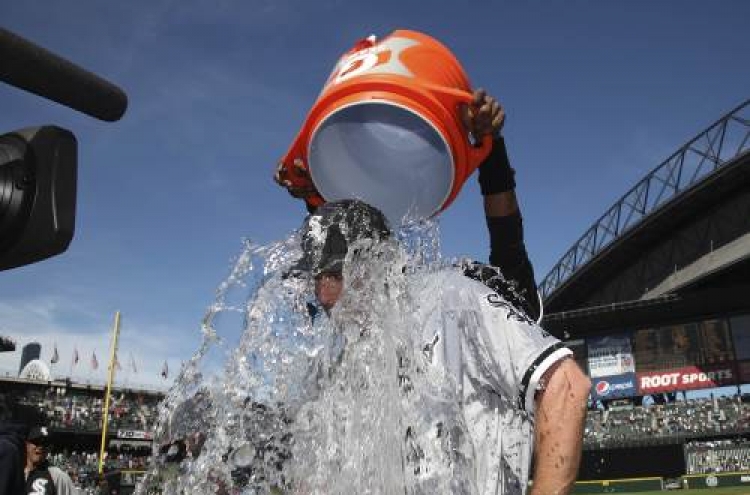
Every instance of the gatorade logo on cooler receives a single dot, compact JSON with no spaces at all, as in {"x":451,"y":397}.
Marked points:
{"x":386,"y":55}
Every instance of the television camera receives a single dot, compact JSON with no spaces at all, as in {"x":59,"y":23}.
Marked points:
{"x":38,"y":165}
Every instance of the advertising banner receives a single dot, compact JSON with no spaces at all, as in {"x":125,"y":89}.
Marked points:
{"x":704,"y":343}
{"x":134,"y":434}
{"x":614,"y":387}
{"x":717,"y":479}
{"x":715,"y":342}
{"x":741,"y":338}
{"x":741,"y":335}
{"x":610,"y":356}
{"x":685,"y":378}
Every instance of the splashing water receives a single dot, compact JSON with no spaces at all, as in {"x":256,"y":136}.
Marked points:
{"x":280,"y":398}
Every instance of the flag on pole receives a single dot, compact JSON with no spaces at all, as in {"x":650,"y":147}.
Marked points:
{"x":132,"y":363}
{"x":55,"y":356}
{"x":75,"y":356}
{"x":165,"y":370}
{"x":94,"y":361}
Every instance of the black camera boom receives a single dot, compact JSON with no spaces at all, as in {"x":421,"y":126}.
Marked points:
{"x":32,"y":68}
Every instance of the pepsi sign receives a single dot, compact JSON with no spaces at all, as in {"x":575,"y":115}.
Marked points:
{"x":614,"y":387}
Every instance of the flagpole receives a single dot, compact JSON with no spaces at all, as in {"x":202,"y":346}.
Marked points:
{"x":105,"y":416}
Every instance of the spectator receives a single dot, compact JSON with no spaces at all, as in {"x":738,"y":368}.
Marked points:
{"x":12,"y":449}
{"x":41,"y":478}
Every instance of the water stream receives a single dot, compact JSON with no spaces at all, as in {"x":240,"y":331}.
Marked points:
{"x":283,"y":398}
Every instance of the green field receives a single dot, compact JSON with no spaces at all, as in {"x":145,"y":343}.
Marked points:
{"x":731,"y":490}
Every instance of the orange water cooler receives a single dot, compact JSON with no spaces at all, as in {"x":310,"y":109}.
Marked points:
{"x":386,"y":128}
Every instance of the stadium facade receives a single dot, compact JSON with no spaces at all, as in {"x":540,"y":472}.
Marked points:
{"x":655,"y":300}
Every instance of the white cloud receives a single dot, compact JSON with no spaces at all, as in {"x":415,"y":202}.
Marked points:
{"x":37,"y":320}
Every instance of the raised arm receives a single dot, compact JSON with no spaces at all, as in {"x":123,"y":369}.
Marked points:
{"x":558,"y":430}
{"x":505,"y":226}
{"x":503,"y":215}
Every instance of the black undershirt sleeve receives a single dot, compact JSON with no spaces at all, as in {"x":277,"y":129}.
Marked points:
{"x":508,"y":252}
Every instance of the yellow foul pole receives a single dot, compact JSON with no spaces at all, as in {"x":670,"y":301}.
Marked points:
{"x":110,"y":379}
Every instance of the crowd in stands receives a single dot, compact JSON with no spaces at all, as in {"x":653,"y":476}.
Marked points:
{"x":717,"y":456}
{"x":638,"y":425}
{"x":697,"y":421}
{"x":83,"y":467}
{"x":74,"y":416}
{"x":89,"y":461}
{"x":80,"y":410}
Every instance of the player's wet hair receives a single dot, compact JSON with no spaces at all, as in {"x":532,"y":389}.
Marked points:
{"x":328,"y":233}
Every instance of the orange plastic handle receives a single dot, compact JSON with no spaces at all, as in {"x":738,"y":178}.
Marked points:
{"x":313,"y":199}
{"x":452,"y":98}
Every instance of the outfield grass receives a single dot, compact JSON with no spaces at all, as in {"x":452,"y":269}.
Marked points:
{"x":730,"y":490}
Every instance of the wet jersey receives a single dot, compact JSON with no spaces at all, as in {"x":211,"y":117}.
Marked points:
{"x":496,"y":356}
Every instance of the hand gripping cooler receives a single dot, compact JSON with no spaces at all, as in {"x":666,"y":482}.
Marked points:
{"x":386,"y":128}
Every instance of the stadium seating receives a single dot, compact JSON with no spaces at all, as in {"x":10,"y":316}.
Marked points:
{"x":68,"y":408}
{"x":74,"y":415}
{"x":717,"y":456}
{"x":83,"y":466}
{"x":712,"y":429}
{"x":676,"y":421}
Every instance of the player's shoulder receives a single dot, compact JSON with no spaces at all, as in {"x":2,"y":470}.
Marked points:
{"x":57,"y":473}
{"x":450,"y":282}
{"x":451,"y":290}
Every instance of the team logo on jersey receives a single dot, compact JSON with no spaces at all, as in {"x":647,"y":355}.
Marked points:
{"x":506,"y":294}
{"x":39,"y":487}
{"x":497,"y":301}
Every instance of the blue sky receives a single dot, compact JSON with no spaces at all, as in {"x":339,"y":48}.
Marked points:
{"x":597,"y":94}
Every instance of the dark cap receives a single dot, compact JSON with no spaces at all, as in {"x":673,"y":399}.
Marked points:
{"x":328,"y":232}
{"x":38,"y":435}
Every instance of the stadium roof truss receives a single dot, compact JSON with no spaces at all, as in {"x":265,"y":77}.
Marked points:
{"x":721,"y":144}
